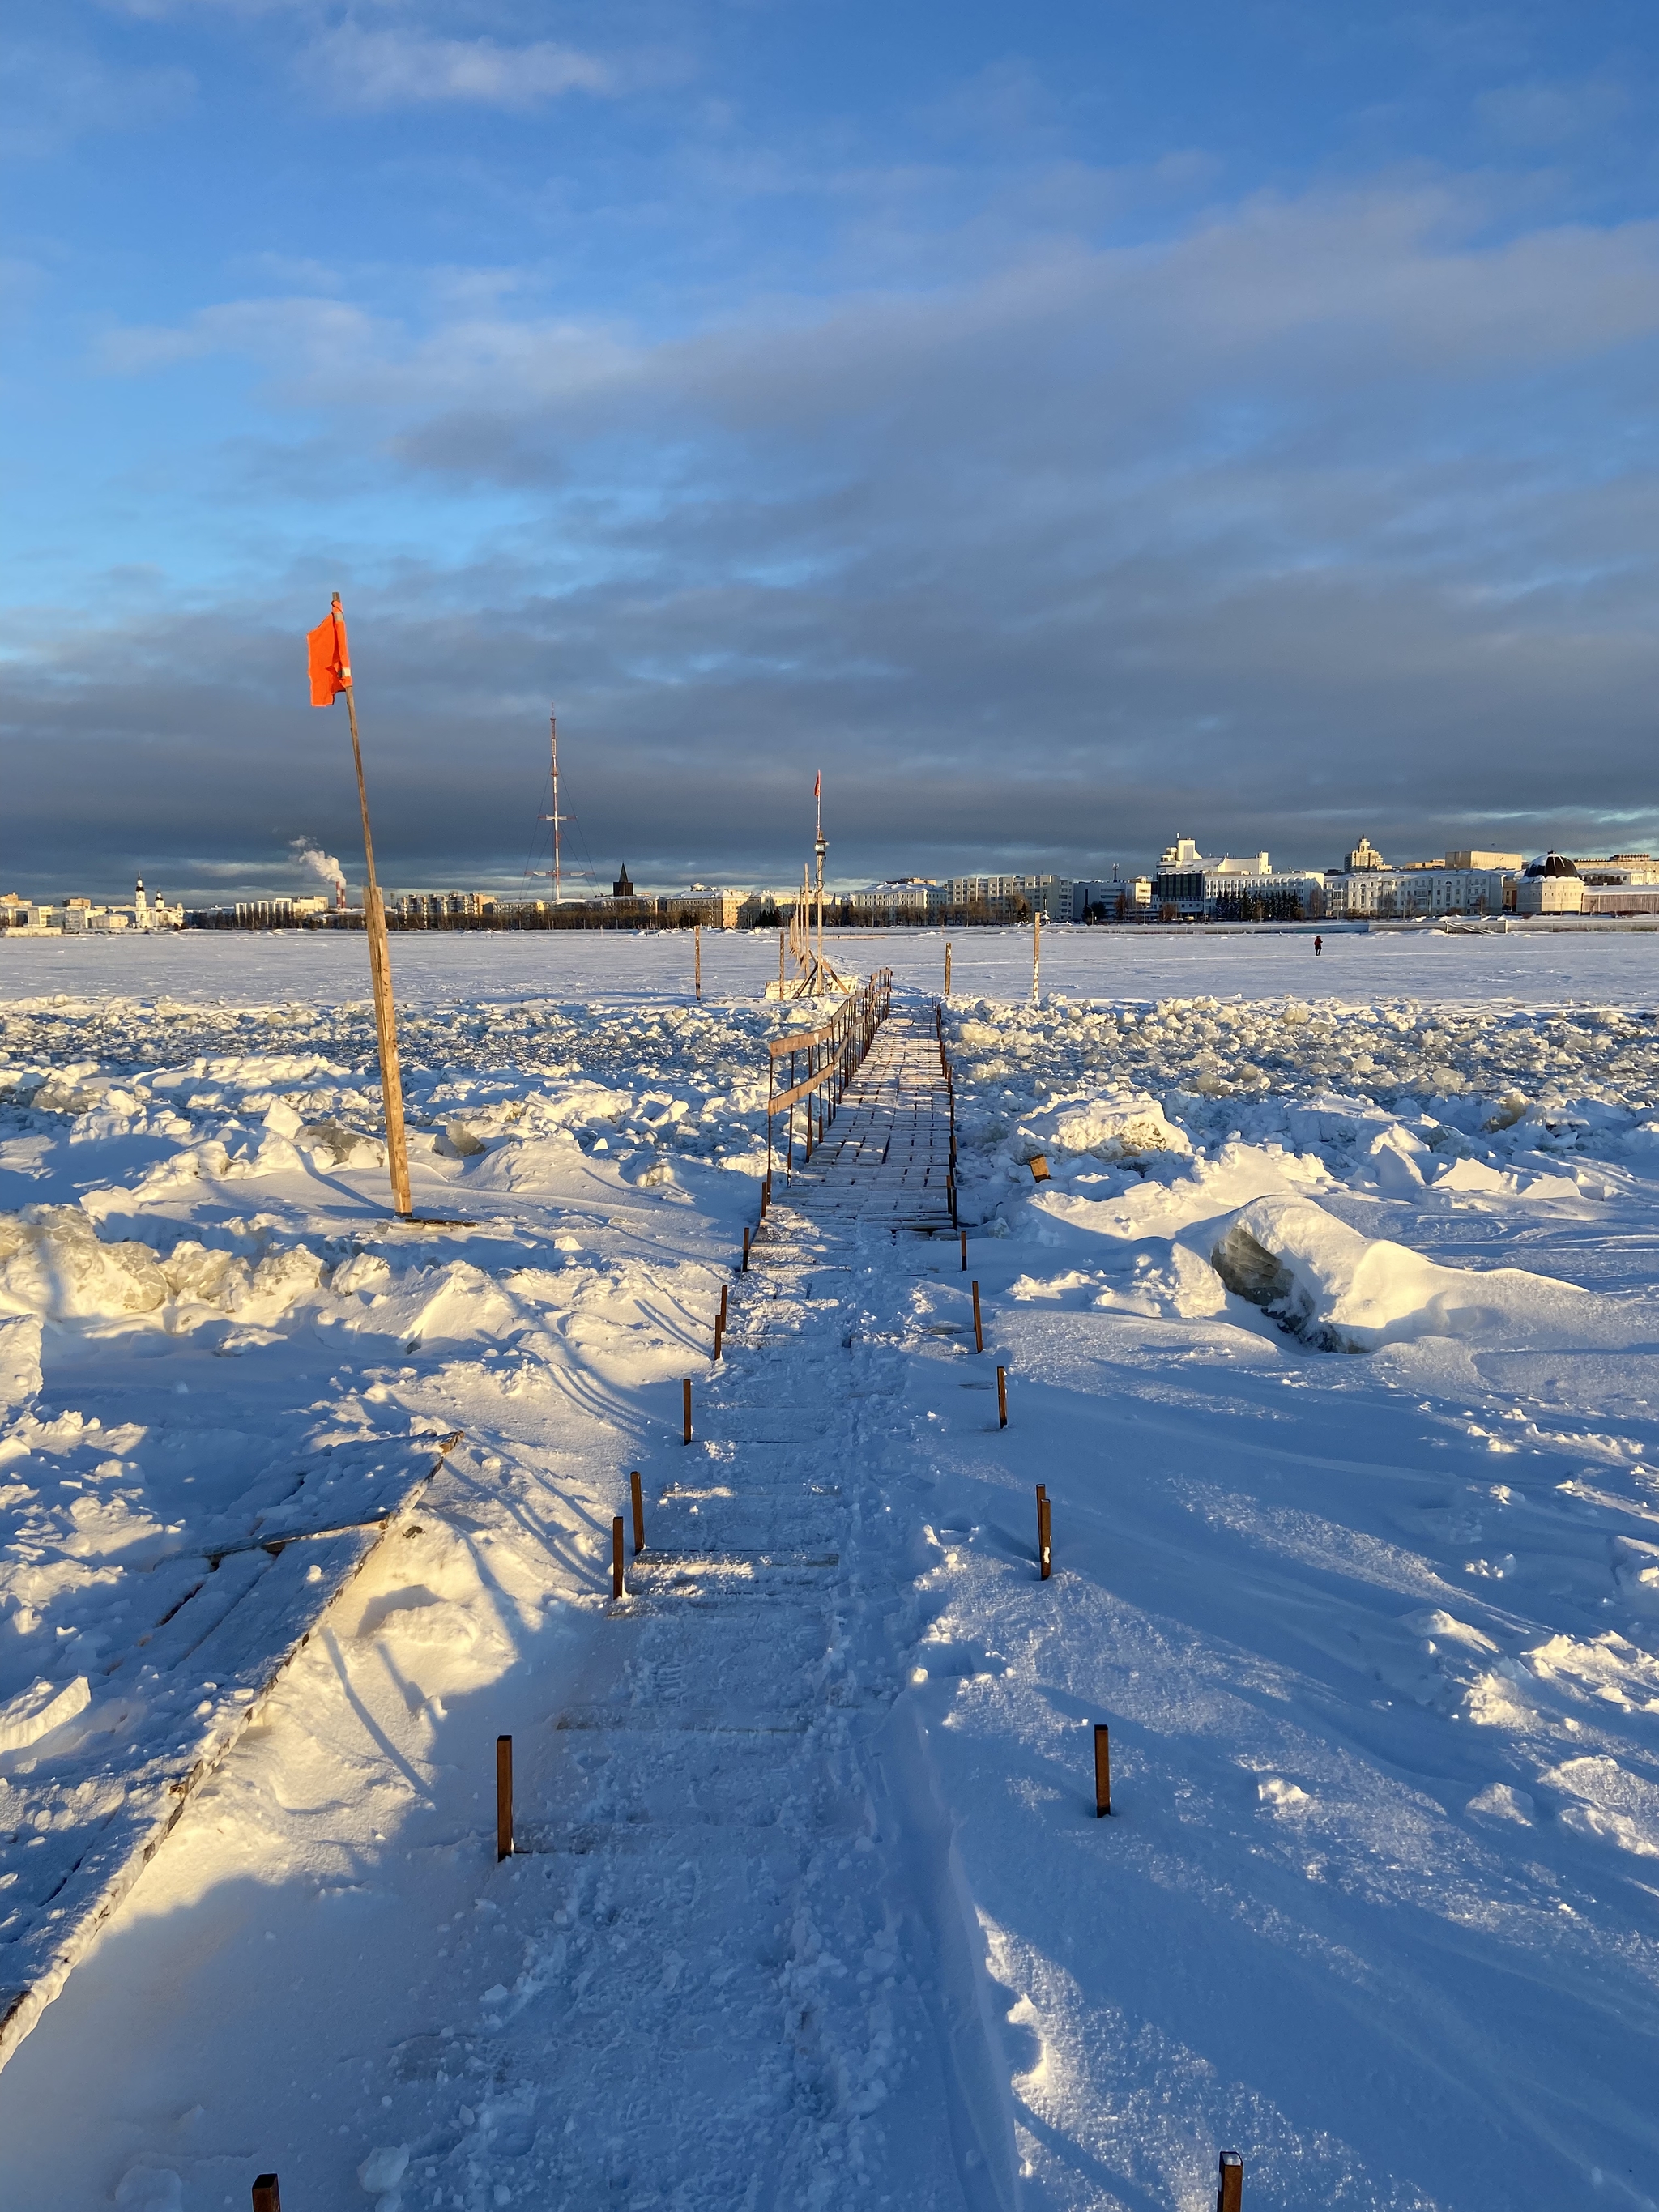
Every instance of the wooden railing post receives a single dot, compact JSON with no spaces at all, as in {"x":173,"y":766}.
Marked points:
{"x":503,"y":1798}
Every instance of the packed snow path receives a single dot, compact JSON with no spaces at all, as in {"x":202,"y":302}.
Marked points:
{"x":753,"y":1956}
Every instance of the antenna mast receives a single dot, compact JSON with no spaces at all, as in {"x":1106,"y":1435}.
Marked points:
{"x":555,"y":817}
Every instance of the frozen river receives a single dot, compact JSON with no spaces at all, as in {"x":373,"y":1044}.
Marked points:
{"x":1545,"y":968}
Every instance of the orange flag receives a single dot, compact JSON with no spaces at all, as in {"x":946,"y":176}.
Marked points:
{"x":330,"y":659}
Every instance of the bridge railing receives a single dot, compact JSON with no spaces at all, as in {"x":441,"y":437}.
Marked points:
{"x":821,"y":1064}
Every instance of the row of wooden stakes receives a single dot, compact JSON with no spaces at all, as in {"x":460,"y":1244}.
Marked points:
{"x":1229,"y":2196}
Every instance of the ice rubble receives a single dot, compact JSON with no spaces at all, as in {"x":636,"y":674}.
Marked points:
{"x":1381,"y":1051}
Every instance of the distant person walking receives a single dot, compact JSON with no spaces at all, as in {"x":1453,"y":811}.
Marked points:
{"x":1318,"y":946}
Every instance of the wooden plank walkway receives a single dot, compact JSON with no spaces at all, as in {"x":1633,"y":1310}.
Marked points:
{"x":886,"y":1156}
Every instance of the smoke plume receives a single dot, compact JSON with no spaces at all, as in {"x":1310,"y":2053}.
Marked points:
{"x":320,"y":863}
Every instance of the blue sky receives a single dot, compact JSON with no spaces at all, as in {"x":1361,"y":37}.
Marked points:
{"x":1070,"y":426}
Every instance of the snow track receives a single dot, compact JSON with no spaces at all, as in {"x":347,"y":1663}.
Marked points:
{"x":756,"y":1960}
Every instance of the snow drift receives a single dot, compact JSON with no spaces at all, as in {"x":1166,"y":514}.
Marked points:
{"x":1343,"y":1291}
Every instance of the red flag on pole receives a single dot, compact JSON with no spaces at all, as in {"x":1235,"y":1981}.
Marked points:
{"x":329,"y":659}
{"x":817,"y":784}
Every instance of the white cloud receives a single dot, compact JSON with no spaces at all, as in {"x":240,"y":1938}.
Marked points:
{"x":364,"y":69}
{"x":1300,"y":300}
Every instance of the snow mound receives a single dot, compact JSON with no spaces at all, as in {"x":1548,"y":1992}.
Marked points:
{"x":1342,"y":1291}
{"x":38,"y":1709}
{"x":1114,"y":1125}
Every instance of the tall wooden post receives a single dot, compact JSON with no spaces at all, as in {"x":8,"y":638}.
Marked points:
{"x":617,"y":1587}
{"x":1230,"y":2189}
{"x":1002,"y":1397}
{"x":696,"y":935}
{"x":979,"y":1325}
{"x":1036,"y":954}
{"x":266,"y":2196}
{"x":1102,"y":1771}
{"x":637,"y":1500}
{"x":503,"y":1798}
{"x":685,"y":1396}
{"x":1045,"y":1546}
{"x":380,"y":970}
{"x":947,"y":967}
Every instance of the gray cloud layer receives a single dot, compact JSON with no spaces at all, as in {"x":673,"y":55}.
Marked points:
{"x":1319,"y":515}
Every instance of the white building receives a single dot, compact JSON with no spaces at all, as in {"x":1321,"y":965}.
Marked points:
{"x":1551,"y":884}
{"x":904,"y":897}
{"x":1054,"y":897}
{"x":439,"y":906}
{"x":1195,"y":886}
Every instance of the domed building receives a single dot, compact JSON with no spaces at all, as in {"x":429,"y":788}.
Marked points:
{"x":1550,"y":884}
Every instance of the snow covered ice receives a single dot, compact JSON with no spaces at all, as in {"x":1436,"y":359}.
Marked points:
{"x":1331,"y":1334}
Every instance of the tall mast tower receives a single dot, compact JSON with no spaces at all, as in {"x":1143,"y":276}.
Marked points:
{"x":820,"y":847}
{"x":555,"y":817}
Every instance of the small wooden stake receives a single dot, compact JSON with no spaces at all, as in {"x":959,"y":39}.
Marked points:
{"x":1044,"y":1544}
{"x":1002,"y":1397}
{"x":639,"y":1512}
{"x":265,"y":2195}
{"x":1103,"y":1771}
{"x":685,"y":1394}
{"x":719,"y":1331}
{"x":746,"y":1248}
{"x":1229,"y":2190}
{"x":503,"y":1798}
{"x":616,"y":1587}
{"x":979,"y":1325}
{"x":965,"y":1251}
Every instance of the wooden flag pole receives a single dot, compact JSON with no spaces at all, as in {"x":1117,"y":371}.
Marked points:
{"x":380,"y":968}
